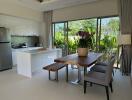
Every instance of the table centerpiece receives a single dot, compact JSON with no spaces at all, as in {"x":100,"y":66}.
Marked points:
{"x":84,"y":42}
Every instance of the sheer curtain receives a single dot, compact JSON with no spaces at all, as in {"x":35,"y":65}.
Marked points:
{"x":125,"y":14}
{"x":48,"y":27}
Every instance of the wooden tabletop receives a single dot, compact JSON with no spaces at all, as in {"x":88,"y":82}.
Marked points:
{"x":82,"y":61}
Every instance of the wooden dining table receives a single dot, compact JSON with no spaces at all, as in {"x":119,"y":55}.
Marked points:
{"x":83,"y":62}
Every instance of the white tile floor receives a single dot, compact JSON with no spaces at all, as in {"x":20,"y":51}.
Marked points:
{"x":17,"y":87}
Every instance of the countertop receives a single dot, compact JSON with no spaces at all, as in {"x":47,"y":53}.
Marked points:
{"x":25,"y":49}
{"x":41,"y":50}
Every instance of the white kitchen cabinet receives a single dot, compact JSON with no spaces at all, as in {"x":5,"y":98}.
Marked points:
{"x":20,"y":26}
{"x":26,"y":30}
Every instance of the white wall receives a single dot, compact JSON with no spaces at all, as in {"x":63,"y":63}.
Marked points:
{"x":43,"y":35}
{"x":10,"y":8}
{"x":101,"y":8}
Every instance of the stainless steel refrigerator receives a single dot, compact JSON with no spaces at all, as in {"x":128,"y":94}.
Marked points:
{"x":5,"y":50}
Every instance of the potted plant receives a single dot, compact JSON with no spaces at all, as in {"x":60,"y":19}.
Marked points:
{"x":84,"y":42}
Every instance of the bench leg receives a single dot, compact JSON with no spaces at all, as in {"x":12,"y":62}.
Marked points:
{"x":49,"y":76}
{"x":56,"y":76}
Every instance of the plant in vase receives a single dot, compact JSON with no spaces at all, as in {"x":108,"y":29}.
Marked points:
{"x":84,"y":42}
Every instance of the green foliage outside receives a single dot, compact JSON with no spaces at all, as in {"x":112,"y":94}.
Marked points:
{"x":109,"y":33}
{"x":75,"y":26}
{"x":107,"y":43}
{"x":72,"y":44}
{"x":59,"y":40}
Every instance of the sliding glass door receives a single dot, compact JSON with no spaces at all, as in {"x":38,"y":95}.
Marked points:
{"x":109,"y":29}
{"x":60,"y":37}
{"x":104,"y":39}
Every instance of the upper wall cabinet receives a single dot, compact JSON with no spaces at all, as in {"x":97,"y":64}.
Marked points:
{"x":20,"y":26}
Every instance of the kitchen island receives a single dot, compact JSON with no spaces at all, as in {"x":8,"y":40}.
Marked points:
{"x":14,"y":53}
{"x":30,"y":61}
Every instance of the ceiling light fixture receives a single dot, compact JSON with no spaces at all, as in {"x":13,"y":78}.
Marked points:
{"x":40,"y":0}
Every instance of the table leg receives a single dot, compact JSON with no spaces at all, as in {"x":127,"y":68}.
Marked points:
{"x":85,"y":70}
{"x":56,"y":75}
{"x":67,"y":73}
{"x":49,"y":76}
{"x":78,"y":81}
{"x":79,"y":74}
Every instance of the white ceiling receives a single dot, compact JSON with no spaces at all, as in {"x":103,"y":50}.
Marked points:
{"x":51,"y":4}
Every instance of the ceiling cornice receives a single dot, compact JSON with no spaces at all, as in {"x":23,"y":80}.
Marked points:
{"x":46,"y":5}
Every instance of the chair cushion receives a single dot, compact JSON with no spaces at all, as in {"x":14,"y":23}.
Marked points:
{"x":96,"y":77}
{"x":99,"y":68}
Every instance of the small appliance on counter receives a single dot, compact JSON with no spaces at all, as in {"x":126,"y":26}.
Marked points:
{"x":5,"y":50}
{"x":20,"y":45}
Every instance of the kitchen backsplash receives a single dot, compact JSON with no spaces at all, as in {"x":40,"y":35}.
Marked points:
{"x":31,"y":41}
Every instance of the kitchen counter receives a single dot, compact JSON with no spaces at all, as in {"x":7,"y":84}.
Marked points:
{"x":14,"y":52}
{"x":31,"y":61}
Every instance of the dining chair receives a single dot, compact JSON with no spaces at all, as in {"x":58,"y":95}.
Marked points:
{"x":102,"y":66}
{"x":103,"y":79}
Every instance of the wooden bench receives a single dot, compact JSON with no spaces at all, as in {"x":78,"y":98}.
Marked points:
{"x":54,"y":68}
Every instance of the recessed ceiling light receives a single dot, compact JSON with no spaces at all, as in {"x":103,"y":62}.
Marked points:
{"x":40,"y":0}
{"x":43,"y":0}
